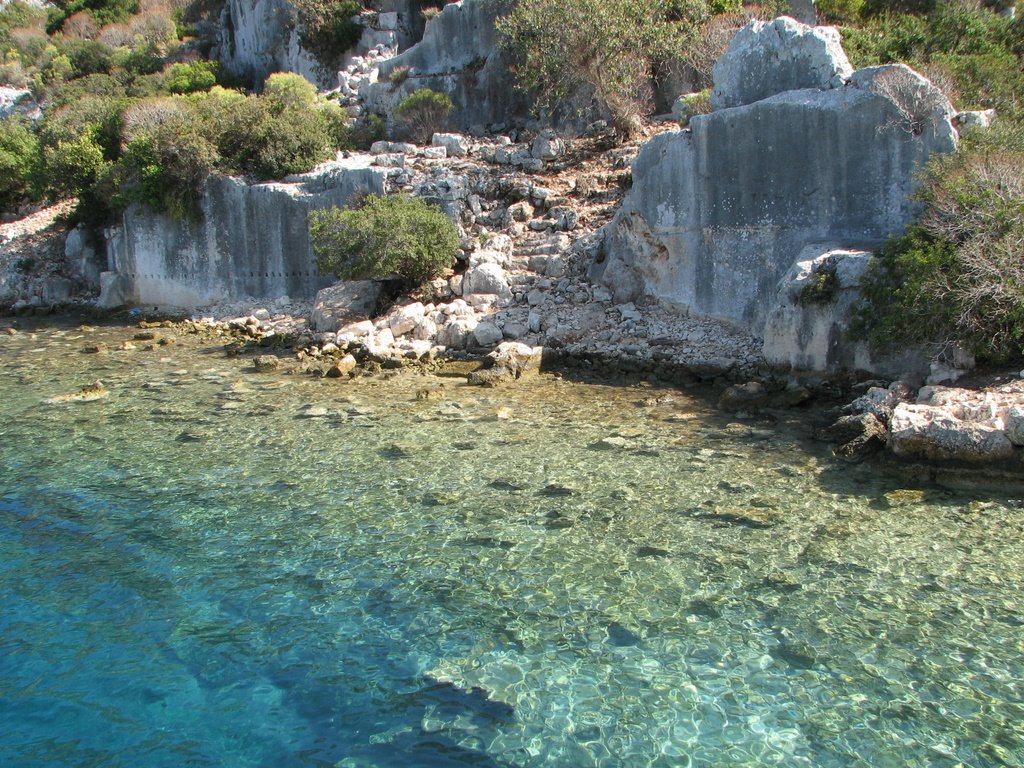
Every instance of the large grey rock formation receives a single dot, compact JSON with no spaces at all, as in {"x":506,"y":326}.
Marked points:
{"x":719,"y":213}
{"x":260,"y":37}
{"x":807,"y":326}
{"x":251,"y":241}
{"x":765,"y":58}
{"x":459,"y":55}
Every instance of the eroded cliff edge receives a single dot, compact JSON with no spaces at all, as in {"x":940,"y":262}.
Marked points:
{"x":719,"y":213}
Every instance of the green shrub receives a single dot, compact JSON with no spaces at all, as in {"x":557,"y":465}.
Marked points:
{"x":423,"y":113}
{"x":166,"y":167}
{"x":256,"y":136}
{"x":725,"y":6}
{"x":605,"y":46}
{"x":74,"y":165}
{"x":286,"y":90}
{"x":103,"y":11}
{"x":97,"y":116}
{"x":19,"y":149}
{"x":957,"y":276}
{"x":393,"y":235}
{"x":399,"y":75}
{"x":340,"y":127}
{"x":839,"y":11}
{"x":90,"y":86}
{"x":326,"y":28}
{"x":88,"y":57}
{"x":694,"y":104}
{"x":368,"y":129}
{"x":290,"y":142}
{"x":986,"y":80}
{"x":192,"y":77}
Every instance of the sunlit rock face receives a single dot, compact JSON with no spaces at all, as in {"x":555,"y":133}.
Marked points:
{"x":719,"y":213}
{"x":251,"y":240}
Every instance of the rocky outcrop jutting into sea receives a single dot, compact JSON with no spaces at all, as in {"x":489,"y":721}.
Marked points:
{"x":719,"y":213}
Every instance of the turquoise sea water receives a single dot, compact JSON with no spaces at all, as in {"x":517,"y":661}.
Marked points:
{"x":193,"y":573}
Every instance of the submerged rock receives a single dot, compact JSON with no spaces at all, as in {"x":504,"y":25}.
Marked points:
{"x":858,"y":435}
{"x":88,"y":393}
{"x":266,"y":363}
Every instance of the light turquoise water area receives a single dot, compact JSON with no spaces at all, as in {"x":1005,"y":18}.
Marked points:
{"x":192,"y":573}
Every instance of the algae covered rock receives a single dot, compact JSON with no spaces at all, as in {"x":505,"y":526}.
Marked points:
{"x":88,"y":393}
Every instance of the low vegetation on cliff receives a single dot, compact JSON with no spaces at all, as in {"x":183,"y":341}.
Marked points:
{"x":955,"y":279}
{"x":611,"y":48}
{"x":132,"y":114}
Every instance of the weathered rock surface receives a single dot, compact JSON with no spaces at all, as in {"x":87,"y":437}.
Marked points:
{"x":858,"y":435}
{"x":459,"y":55}
{"x":252,"y":241}
{"x":87,"y":394}
{"x":260,"y":37}
{"x":753,"y":396}
{"x":18,"y":101}
{"x":941,"y":424}
{"x":718,"y":214}
{"x":807,"y":326}
{"x":766,"y":58}
{"x":923,"y":431}
{"x":345,"y":304}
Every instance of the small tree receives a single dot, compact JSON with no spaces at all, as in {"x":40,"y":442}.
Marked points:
{"x":326,"y":28}
{"x":392,"y":235}
{"x":423,"y":113}
{"x":958,"y":275}
{"x":608,"y":45}
{"x":18,"y":151}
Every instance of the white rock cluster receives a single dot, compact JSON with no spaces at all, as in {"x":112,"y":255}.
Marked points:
{"x":359,"y":74}
{"x":950,"y":423}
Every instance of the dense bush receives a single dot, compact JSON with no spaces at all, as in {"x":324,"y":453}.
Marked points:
{"x":393,"y":235}
{"x":326,"y":28}
{"x":165,"y":167}
{"x":285,"y":90}
{"x":192,"y":77}
{"x":958,"y":276}
{"x":423,"y":113}
{"x":605,"y":46}
{"x":74,"y":165}
{"x":839,"y":11}
{"x":19,"y":148}
{"x":102,"y":11}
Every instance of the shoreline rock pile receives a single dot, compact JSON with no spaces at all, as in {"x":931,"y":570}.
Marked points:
{"x":935,"y":423}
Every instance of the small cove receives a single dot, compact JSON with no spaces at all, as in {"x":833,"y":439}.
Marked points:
{"x":198,"y":571}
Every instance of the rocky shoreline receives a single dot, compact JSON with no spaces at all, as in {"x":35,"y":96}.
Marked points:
{"x":953,"y":436}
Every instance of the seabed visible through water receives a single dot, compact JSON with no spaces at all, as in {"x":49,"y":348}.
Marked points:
{"x":215,"y":567}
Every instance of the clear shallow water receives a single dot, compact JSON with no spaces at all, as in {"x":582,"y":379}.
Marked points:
{"x":192,"y":573}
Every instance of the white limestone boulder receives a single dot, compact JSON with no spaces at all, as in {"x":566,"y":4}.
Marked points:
{"x":927,"y":432}
{"x":766,"y":58}
{"x":344,"y":303}
{"x":455,"y":144}
{"x":487,"y":278}
{"x":403,"y":320}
